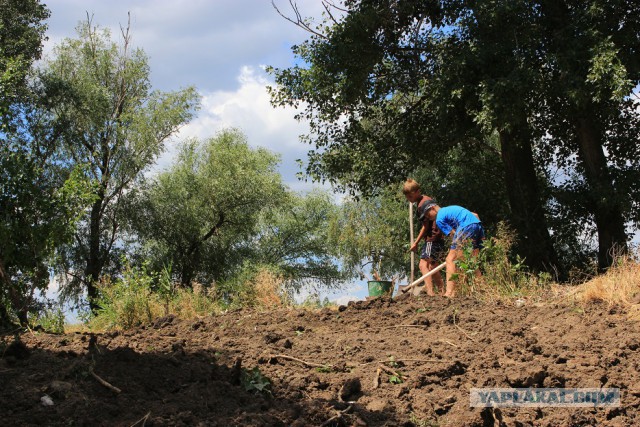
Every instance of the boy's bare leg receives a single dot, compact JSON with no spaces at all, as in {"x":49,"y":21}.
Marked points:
{"x":451,"y":270}
{"x":425,"y":266}
{"x":436,"y":279}
{"x":475,"y":254}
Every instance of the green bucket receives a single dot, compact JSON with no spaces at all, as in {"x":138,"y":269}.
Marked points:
{"x":379,"y":287}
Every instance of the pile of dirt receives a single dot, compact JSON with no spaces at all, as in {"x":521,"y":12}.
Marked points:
{"x":383,"y":362}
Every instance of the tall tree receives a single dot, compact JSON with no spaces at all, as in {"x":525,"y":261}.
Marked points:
{"x":393,"y":78}
{"x":591,"y":49}
{"x":39,"y":196}
{"x":112,"y":122}
{"x":387,"y":79}
{"x":200,"y":216}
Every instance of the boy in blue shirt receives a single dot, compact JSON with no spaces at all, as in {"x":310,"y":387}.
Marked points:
{"x":463,"y":225}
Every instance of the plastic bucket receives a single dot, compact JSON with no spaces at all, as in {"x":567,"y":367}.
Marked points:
{"x":379,"y":287}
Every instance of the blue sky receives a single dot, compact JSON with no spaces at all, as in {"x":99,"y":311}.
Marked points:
{"x":221,"y":48}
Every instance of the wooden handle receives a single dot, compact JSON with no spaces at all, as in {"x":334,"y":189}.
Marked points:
{"x":434,"y":271}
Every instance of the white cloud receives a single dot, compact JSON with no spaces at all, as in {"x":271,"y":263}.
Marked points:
{"x":192,"y":42}
{"x":248,"y":108}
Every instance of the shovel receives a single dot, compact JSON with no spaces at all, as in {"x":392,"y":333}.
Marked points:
{"x":406,"y":288}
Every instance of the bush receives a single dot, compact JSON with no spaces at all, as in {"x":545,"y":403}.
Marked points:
{"x":126,"y":302}
{"x":254,"y":286}
{"x":502,"y":275}
{"x":51,"y":319}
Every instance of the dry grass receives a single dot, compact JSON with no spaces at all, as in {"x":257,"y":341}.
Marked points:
{"x":620,"y":286}
{"x":267,"y":291}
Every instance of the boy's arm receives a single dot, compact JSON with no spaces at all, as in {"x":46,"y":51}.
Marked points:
{"x":414,"y":246}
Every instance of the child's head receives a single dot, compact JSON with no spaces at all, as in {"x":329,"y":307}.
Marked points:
{"x":428,"y":210}
{"x":411,"y":190}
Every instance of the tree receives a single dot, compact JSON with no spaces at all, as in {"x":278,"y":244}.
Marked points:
{"x":389,"y":78}
{"x":372,"y":232}
{"x":593,"y":68}
{"x":111,"y":121}
{"x":22,"y":28}
{"x":200,"y":216}
{"x":443,"y":65}
{"x":293,"y":237}
{"x":40,"y":197}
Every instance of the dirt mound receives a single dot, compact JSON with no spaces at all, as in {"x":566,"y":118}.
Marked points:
{"x":374,"y":363}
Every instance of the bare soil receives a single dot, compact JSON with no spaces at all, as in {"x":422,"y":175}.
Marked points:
{"x":409,"y":361}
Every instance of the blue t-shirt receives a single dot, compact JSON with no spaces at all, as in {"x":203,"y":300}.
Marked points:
{"x":454,"y":217}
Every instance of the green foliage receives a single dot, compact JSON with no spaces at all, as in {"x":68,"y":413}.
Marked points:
{"x":503,"y":273}
{"x":437,"y":81}
{"x":107,"y":118}
{"x":293,"y":238}
{"x":372,"y":232}
{"x":253,"y":381}
{"x":201,"y":214}
{"x":21,"y":34}
{"x":40,"y":205}
{"x":51,"y":319}
{"x":396,"y":379}
{"x":313,"y":301}
{"x":125,"y":302}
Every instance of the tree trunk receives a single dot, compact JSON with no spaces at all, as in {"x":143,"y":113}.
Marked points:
{"x":602,"y":201}
{"x":527,"y":210}
{"x":94,"y":259}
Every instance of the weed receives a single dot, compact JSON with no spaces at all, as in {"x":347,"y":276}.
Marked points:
{"x":254,"y":381}
{"x":502,"y":275}
{"x":396,"y":379}
{"x":324,"y":369}
{"x":51,"y":319}
{"x":421,"y":422}
{"x":392,"y":362}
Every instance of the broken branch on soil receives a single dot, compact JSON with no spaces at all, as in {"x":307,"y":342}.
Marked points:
{"x":103,"y":382}
{"x":392,"y":372}
{"x":465,"y":332}
{"x":448,"y":342}
{"x":143,"y":420}
{"x":313,"y":365}
{"x":336,"y":417}
{"x":406,"y":360}
{"x":406,"y":326}
{"x":376,"y":378}
{"x":462,"y":330}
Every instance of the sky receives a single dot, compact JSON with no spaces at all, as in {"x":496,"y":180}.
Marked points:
{"x":220,"y":47}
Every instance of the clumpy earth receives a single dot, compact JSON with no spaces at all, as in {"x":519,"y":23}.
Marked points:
{"x":404,"y":362}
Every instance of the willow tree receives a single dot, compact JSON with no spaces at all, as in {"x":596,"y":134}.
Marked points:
{"x":112,"y":121}
{"x":199,"y":216}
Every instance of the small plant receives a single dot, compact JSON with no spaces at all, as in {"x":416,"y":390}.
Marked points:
{"x":503,"y":275}
{"x":396,"y":379}
{"x":421,"y":422}
{"x":254,"y":381}
{"x":125,"y":302}
{"x":324,"y":369}
{"x":51,"y":319}
{"x":392,"y":362}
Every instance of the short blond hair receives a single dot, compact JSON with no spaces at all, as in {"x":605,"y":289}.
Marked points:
{"x":410,"y":186}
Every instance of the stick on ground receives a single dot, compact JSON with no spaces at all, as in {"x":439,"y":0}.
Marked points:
{"x":103,"y":382}
{"x":313,"y":365}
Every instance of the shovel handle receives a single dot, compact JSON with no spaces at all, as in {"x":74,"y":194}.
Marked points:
{"x":434,"y":271}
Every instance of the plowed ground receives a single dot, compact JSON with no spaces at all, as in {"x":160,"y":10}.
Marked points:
{"x":409,"y":361}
